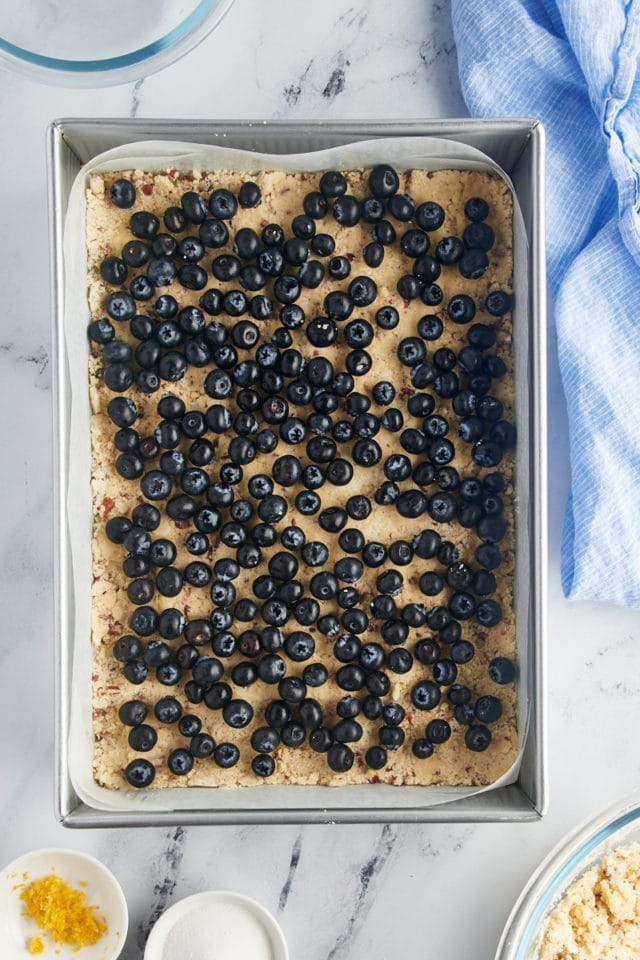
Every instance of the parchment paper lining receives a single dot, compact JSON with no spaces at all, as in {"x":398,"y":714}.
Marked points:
{"x":405,"y":153}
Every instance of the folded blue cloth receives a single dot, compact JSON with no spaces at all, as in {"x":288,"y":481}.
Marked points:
{"x":573,"y":64}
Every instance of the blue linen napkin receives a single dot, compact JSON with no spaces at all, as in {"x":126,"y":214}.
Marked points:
{"x":573,"y":64}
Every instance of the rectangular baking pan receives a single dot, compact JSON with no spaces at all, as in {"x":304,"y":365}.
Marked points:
{"x":517,"y":145}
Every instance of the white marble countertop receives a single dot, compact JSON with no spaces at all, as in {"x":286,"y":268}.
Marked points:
{"x":339,"y":891}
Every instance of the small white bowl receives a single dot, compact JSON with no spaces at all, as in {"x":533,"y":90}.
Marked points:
{"x":79,"y":870}
{"x":216,"y":923}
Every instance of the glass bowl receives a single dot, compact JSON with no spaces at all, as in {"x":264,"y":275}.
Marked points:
{"x":90,"y":44}
{"x":616,"y":826}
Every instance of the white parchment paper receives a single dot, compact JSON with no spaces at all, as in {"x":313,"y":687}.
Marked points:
{"x":404,"y":153}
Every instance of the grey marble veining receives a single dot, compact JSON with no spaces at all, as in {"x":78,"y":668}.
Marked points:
{"x":340,"y":893}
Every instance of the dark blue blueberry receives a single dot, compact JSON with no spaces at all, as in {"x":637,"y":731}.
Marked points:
{"x":425,"y":695}
{"x":473,"y":264}
{"x":478,"y":236}
{"x":409,"y":287}
{"x":449,"y":250}
{"x":399,"y":660}
{"x":429,"y":215}
{"x":477,"y":738}
{"x":391,"y":737}
{"x":347,"y":730}
{"x":213,"y":234}
{"x":340,"y":757}
{"x":383,"y":181}
{"x":139,"y":773}
{"x":226,"y":755}
{"x":445,"y":672}
{"x":347,"y":210}
{"x":123,"y":195}
{"x":497,"y":303}
{"x":427,"y":269}
{"x":348,"y":569}
{"x":502,"y":670}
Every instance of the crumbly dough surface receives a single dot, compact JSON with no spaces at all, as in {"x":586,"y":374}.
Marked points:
{"x":282,"y":194}
{"x":598,"y":918}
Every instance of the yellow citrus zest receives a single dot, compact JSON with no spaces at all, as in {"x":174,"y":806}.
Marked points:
{"x":62,"y":912}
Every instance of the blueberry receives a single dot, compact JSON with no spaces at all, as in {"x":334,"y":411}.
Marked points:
{"x":429,"y":215}
{"x":461,"y":308}
{"x":422,"y":748}
{"x":478,"y":236}
{"x":363,"y":291}
{"x":477,"y":738}
{"x":323,"y":245}
{"x":425,"y":695}
{"x":502,"y":670}
{"x":473,"y":264}
{"x":263,"y":765}
{"x":427,"y":269}
{"x":376,"y":758}
{"x":488,"y":613}
{"x":413,"y":503}
{"x":139,"y":773}
{"x":432,"y":295}
{"x":168,"y":710}
{"x":340,"y":757}
{"x":497,"y":303}
{"x":411,"y":351}
{"x":383,"y":181}
{"x":101,"y":331}
{"x":144,"y":225}
{"x":123,"y":195}
{"x":399,"y":660}
{"x":347,"y":730}
{"x":476,"y":209}
{"x":488,"y":709}
{"x":332,"y":184}
{"x":226,"y":755}
{"x":414,"y":243}
{"x":132,"y":713}
{"x":299,"y":646}
{"x":409,"y":287}
{"x":486,"y":453}
{"x":293,"y":734}
{"x":373,"y":254}
{"x":445,"y":672}
{"x":348,"y":569}
{"x":320,"y":740}
{"x":113,"y":270}
{"x":338,"y":305}
{"x":347,"y":210}
{"x":237,"y":713}
{"x":321,"y":332}
{"x":340,"y":471}
{"x":315,"y":674}
{"x":449,"y":250}
{"x":142,"y":738}
{"x":383,"y":233}
{"x":118,"y":377}
{"x":391,"y":737}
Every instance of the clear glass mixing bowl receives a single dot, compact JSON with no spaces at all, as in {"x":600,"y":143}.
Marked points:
{"x":617,"y":826}
{"x":91,"y":43}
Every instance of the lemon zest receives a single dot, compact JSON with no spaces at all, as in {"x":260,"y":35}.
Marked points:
{"x":62,"y":912}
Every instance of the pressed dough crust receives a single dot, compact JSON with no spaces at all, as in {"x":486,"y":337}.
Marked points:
{"x":282,"y":194}
{"x":598,"y":918}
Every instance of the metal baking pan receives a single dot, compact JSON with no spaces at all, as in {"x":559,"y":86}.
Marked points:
{"x":517,"y":145}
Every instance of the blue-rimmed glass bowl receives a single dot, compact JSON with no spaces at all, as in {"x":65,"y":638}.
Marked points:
{"x":617,"y":826}
{"x":89,"y":43}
